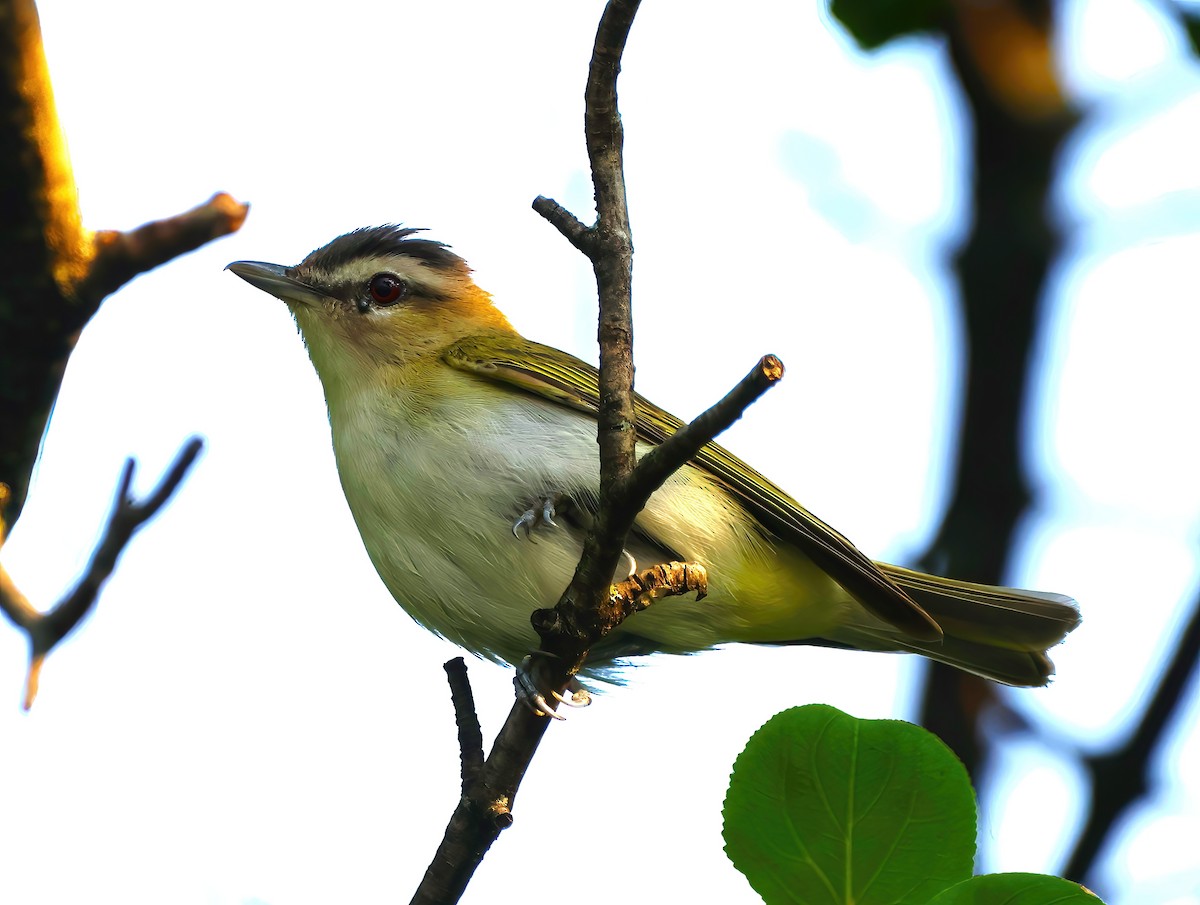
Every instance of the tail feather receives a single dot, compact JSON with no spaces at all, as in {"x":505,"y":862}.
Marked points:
{"x":998,"y":633}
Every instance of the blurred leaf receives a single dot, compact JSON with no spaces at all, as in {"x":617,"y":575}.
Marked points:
{"x":1016,"y":889}
{"x":824,"y":808}
{"x":875,"y":22}
{"x":1191,"y":24}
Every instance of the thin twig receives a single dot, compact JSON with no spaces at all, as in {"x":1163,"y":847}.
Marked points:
{"x":664,"y":460}
{"x":46,"y":630}
{"x":470,"y":735}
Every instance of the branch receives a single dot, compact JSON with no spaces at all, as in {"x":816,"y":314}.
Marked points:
{"x":591,"y":606}
{"x":121,"y":256}
{"x":1119,"y":778}
{"x":470,"y":735}
{"x":568,"y":632}
{"x":572,"y":228}
{"x":1001,"y":271}
{"x":671,"y":579}
{"x":664,"y":460}
{"x":45,"y":630}
{"x":53,"y":272}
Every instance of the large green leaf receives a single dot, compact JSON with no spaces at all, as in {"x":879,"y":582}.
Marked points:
{"x":1016,"y":889}
{"x":825,"y":809}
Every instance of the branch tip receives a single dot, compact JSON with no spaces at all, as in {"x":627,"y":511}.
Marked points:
{"x":670,"y":455}
{"x":571,"y":227}
{"x":672,"y":579}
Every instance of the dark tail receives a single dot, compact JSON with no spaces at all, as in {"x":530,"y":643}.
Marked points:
{"x":998,"y":633}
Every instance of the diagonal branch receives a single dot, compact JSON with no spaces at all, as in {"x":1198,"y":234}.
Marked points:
{"x":1120,"y":777}
{"x":45,"y":630}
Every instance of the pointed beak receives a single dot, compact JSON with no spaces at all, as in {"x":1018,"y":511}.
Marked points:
{"x":274,"y":279}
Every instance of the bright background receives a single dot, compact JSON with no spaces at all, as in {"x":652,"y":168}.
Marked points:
{"x":249,"y":718}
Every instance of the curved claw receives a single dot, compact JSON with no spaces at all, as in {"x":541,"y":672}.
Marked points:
{"x":529,"y":695}
{"x":579,"y":696}
{"x":541,"y":708}
{"x":526,"y":521}
{"x":535,"y":517}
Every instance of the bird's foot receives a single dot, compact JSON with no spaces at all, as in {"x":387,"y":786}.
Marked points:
{"x":532,"y":690}
{"x":540,"y":513}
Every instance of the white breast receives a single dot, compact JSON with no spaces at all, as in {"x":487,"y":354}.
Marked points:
{"x":435,"y":490}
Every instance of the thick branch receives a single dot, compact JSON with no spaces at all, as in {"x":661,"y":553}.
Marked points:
{"x":1002,"y":270}
{"x":45,"y":630}
{"x":53,"y":272}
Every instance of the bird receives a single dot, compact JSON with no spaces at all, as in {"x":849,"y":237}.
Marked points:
{"x":468,"y":458}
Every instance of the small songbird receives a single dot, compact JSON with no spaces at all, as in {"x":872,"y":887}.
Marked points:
{"x":468,"y":457}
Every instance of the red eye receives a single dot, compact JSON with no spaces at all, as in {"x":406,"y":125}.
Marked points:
{"x":387,"y":288}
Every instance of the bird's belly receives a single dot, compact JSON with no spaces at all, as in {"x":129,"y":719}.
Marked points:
{"x":436,"y":517}
{"x":436,"y":502}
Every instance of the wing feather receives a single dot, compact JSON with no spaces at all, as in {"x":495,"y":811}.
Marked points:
{"x":561,"y":378}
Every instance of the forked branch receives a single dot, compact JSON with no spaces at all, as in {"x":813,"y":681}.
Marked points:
{"x":591,"y":606}
{"x":45,"y":630}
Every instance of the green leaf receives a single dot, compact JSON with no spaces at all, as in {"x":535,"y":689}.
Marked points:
{"x":824,"y":808}
{"x":1016,"y":889}
{"x":875,"y":22}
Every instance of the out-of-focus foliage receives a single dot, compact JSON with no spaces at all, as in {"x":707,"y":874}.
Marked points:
{"x":875,"y":22}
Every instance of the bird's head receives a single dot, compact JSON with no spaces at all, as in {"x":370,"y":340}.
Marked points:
{"x":377,"y":298}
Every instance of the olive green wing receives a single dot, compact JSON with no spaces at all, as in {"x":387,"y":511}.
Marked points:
{"x":554,"y":375}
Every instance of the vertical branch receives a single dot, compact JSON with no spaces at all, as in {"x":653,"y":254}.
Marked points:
{"x":591,"y":606}
{"x":612,"y":247}
{"x":609,"y":246}
{"x":485,"y":809}
{"x":1002,"y":271}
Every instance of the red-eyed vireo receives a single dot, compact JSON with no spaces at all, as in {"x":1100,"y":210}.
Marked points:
{"x":452,"y":432}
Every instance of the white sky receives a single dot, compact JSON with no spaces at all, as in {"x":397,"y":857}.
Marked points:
{"x":249,"y":718}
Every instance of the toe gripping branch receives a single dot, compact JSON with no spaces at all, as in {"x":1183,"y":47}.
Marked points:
{"x":533,"y":685}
